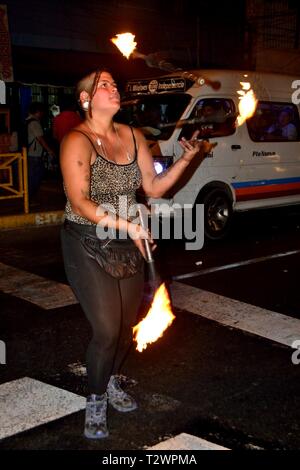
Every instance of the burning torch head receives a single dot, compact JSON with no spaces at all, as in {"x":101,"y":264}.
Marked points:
{"x":125,"y":43}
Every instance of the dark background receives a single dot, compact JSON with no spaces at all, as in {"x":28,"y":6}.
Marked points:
{"x":59,"y":41}
{"x":55,"y":43}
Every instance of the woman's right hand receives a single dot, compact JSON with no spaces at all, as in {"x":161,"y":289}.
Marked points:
{"x":138,"y":234}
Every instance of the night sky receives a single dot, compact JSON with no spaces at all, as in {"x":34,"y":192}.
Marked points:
{"x":58,"y":42}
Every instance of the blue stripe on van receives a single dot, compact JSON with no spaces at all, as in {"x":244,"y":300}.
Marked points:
{"x":247,"y":184}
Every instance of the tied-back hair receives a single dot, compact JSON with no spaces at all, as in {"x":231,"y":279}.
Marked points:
{"x":89,"y":83}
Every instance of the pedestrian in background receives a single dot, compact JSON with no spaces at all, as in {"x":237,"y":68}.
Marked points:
{"x":36,"y":146}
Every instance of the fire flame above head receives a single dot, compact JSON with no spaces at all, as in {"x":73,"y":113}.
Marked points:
{"x":157,"y":320}
{"x":247,"y":104}
{"x":125,"y":43}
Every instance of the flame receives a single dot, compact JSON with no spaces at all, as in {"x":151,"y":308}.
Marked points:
{"x":125,"y":43}
{"x":157,"y":320}
{"x":247,"y":104}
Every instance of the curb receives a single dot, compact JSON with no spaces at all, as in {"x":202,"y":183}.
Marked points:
{"x":35,"y":219}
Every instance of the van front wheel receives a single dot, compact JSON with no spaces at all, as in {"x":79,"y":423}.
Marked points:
{"x":217,"y":214}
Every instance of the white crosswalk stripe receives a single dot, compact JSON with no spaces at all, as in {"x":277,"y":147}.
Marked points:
{"x":38,"y":290}
{"x":259,"y":321}
{"x":186,"y":442}
{"x":27,"y":403}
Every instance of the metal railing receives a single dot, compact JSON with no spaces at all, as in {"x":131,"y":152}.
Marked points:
{"x":13,"y":177}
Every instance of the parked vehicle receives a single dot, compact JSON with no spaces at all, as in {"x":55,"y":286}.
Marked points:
{"x":254,"y":165}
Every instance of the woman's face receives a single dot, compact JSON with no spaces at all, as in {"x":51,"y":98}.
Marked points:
{"x":106,"y":95}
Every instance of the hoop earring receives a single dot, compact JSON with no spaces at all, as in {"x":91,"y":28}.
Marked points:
{"x":86,"y":105}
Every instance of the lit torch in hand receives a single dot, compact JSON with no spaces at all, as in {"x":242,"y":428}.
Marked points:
{"x":160,"y":315}
{"x":127,"y":46}
{"x":125,"y":43}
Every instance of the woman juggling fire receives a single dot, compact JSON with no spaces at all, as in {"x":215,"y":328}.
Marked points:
{"x":103,"y":163}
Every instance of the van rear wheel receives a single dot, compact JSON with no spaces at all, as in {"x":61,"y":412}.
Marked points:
{"x":217,"y":213}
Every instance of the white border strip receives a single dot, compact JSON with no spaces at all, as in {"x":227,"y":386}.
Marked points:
{"x":234,"y":265}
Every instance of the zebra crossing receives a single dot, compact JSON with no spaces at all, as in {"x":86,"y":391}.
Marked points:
{"x":48,"y":295}
{"x":26,"y":403}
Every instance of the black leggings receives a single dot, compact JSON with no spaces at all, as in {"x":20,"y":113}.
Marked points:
{"x":110,"y":306}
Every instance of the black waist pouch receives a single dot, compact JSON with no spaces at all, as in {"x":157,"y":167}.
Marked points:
{"x":120,"y":258}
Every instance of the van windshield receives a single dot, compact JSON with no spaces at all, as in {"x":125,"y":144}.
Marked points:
{"x":155,"y":115}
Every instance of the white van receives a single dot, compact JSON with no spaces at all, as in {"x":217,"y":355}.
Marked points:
{"x":255,"y":165}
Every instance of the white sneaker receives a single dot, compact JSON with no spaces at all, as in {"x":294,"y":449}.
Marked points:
{"x":95,"y":417}
{"x":119,"y":399}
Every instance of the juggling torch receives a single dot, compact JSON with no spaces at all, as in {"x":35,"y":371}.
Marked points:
{"x":126,"y":44}
{"x":160,"y":315}
{"x":154,"y":278}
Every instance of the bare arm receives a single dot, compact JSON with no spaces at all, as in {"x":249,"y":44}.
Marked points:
{"x":157,"y":185}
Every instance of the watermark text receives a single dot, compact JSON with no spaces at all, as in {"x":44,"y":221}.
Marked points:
{"x":164,"y":221}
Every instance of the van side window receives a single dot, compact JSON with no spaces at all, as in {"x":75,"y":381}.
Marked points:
{"x":274,"y":122}
{"x":156,"y":115}
{"x":212,"y":117}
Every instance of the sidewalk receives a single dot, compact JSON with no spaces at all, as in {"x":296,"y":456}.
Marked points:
{"x":48,"y":208}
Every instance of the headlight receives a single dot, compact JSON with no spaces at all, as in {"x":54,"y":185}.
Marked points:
{"x":162,"y":163}
{"x":158,"y":167}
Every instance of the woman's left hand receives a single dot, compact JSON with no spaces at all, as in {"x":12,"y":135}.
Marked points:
{"x":138,"y":234}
